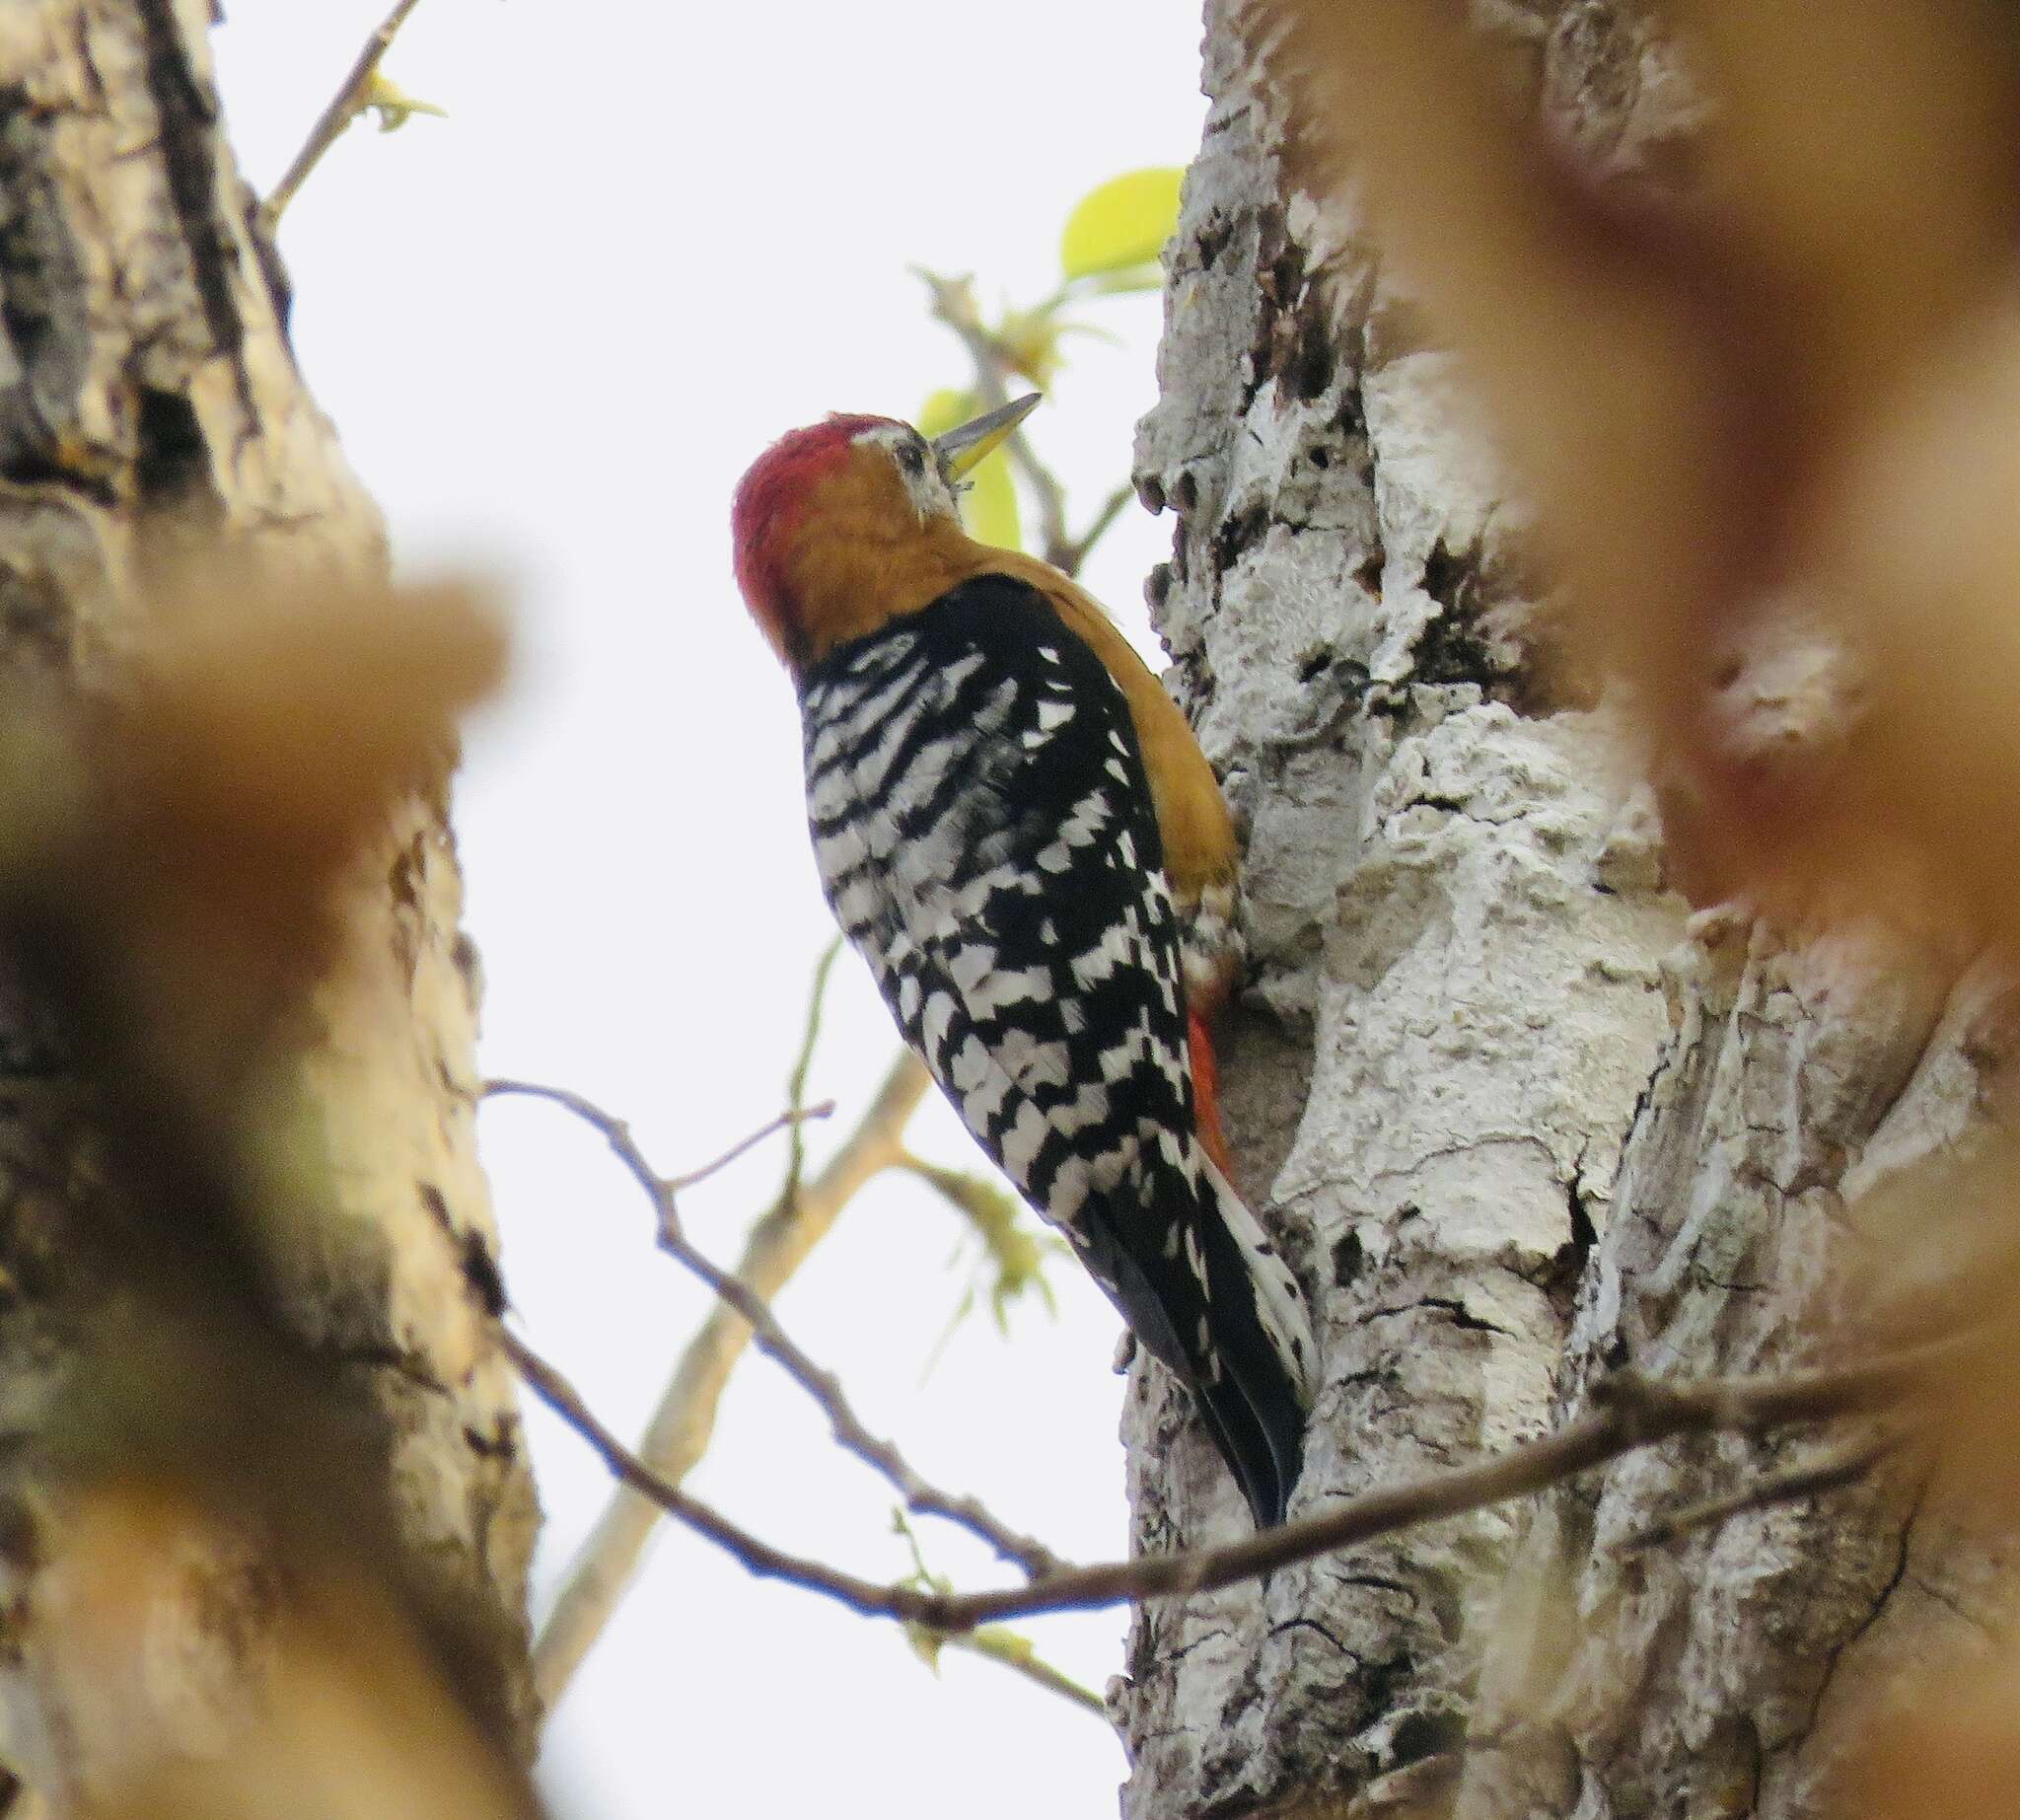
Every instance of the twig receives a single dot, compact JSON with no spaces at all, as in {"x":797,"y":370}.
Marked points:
{"x":1015,"y":1654}
{"x":344,"y":107}
{"x":803,"y":1065}
{"x":791,"y":1119}
{"x":882,"y":1456}
{"x":1111,"y":509}
{"x":997,"y":1642}
{"x":760,"y":1558}
{"x":1841,"y":1465}
{"x":678,"y":1431}
{"x":952,"y":304}
{"x":1629,"y":1412}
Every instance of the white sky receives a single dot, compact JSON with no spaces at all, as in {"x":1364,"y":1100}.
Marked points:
{"x":552,"y":330}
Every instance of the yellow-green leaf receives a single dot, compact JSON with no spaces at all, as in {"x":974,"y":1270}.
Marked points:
{"x":1124,"y":223}
{"x":392,"y":104}
{"x":1017,"y":1251}
{"x":988,"y":504}
{"x":942,"y":410}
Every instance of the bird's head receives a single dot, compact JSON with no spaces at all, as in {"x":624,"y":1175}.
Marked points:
{"x":846,"y":524}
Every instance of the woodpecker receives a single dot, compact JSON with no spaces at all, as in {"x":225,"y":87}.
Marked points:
{"x":1015,"y":827}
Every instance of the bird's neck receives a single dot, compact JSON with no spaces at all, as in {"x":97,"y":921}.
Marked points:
{"x":845,"y":588}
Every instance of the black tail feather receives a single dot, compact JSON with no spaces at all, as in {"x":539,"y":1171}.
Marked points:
{"x":1243,"y":1443}
{"x":1259,"y":1410}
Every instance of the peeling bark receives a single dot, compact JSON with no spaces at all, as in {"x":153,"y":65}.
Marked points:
{"x":1519,"y":1121}
{"x":148,"y":402}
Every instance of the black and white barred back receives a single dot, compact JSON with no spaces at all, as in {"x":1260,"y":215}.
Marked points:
{"x":985,"y":835}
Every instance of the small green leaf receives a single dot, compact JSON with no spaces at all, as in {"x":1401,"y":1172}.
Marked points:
{"x":990,"y":506}
{"x":1124,"y":223}
{"x":1122,"y":284}
{"x":1017,"y":1252}
{"x":925,"y":1644}
{"x":988,"y":502}
{"x":393,"y":106}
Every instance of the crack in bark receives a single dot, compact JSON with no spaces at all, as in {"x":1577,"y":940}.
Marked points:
{"x":42,"y":303}
{"x":1290,"y":1624}
{"x":190,"y":162}
{"x":1461,"y":1316}
{"x":1160,"y":1660}
{"x":384,"y":1355}
{"x":1376,"y":1582}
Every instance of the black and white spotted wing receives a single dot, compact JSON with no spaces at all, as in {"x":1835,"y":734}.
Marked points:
{"x":985,"y":835}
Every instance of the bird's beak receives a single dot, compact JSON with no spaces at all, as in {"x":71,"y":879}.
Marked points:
{"x":962,"y":447}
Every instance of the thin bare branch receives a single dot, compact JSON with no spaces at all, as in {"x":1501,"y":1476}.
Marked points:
{"x":790,"y":1120}
{"x":678,"y":1431}
{"x":1840,"y":1466}
{"x":344,"y":107}
{"x":758,"y":1557}
{"x":1629,"y":1412}
{"x":821,"y":1384}
{"x":994,"y":1643}
{"x":1082,"y":546}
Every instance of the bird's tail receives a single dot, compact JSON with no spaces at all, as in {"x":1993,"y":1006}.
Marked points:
{"x":1256,"y":1404}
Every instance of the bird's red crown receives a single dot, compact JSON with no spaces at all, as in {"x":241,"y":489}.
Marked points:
{"x":771,"y":499}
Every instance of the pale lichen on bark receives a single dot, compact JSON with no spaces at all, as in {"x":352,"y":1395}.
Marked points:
{"x":1518,"y":1126}
{"x":148,"y":402}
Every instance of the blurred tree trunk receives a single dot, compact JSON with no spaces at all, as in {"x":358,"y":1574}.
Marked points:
{"x":1524,"y":1120}
{"x":148,"y":402}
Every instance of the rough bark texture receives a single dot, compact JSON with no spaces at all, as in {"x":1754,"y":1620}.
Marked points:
{"x":1520,"y":1123}
{"x":1727,"y":1672}
{"x":147,"y":392}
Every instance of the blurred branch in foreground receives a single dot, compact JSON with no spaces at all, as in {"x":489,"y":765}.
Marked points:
{"x":174,"y":860}
{"x":1837,"y":1467}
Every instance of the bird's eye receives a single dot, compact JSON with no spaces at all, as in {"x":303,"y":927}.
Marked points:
{"x":912,"y":457}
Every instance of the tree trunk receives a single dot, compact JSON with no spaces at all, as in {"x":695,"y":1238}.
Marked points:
{"x":149,"y":403}
{"x":1523,"y":1121}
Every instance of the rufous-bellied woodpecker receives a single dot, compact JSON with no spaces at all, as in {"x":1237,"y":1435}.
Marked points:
{"x":1016,"y":827}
